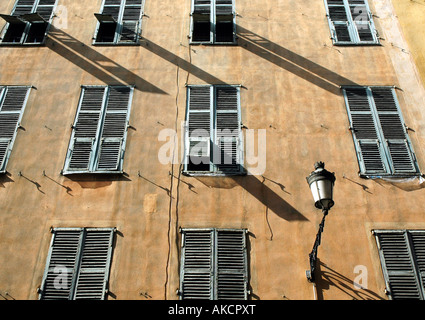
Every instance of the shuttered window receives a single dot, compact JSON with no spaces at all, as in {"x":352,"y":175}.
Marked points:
{"x":379,"y":132}
{"x":213,"y":21}
{"x":351,"y":22}
{"x":78,"y":264}
{"x":213,"y":131}
{"x":13,"y":100}
{"x":119,"y":22}
{"x":402,"y":254}
{"x":29,"y":22}
{"x":100,"y":130}
{"x":214,"y":264}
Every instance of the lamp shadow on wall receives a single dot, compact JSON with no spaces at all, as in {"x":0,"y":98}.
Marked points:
{"x":95,"y":63}
{"x":327,"y":277}
{"x":255,"y":187}
{"x":292,"y":62}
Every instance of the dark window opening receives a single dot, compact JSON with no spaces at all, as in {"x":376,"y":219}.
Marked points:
{"x":14,"y":33}
{"x":224,"y":31}
{"x":36,"y":33}
{"x":201,"y":31}
{"x":106,"y":32}
{"x":198,"y":163}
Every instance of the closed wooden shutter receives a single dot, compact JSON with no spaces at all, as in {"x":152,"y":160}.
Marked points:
{"x":214,"y":264}
{"x":394,"y":131}
{"x":62,"y":262}
{"x":228,"y":155}
{"x":100,"y":130}
{"x":402,"y":256}
{"x":12,"y":104}
{"x":197,"y":265}
{"x":78,"y":264}
{"x":351,"y":22}
{"x":93,"y":273}
{"x":231,"y":264}
{"x":382,"y":144}
{"x":85,"y":129}
{"x":114,"y":130}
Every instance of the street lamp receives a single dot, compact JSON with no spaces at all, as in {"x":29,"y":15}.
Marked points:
{"x":321,"y":184}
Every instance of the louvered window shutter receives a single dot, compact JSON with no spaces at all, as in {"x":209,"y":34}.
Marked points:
{"x":12,"y":105}
{"x":214,"y":264}
{"x":394,"y":132}
{"x":364,"y":129}
{"x":132,"y":13}
{"x":351,"y":22}
{"x":93,"y":272}
{"x":78,"y":264}
{"x":402,"y":260}
{"x":85,"y":130}
{"x":29,"y":21}
{"x":380,"y":137}
{"x":231,"y":264}
{"x":197,"y":265}
{"x":61,"y":264}
{"x":114,"y":130}
{"x":227,"y":141}
{"x":198,"y":128}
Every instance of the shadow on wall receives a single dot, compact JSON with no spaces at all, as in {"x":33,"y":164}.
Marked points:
{"x":327,"y":277}
{"x":95,"y":63}
{"x":292,"y":62}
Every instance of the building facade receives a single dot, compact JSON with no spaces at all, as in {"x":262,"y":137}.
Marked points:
{"x":159,"y":150}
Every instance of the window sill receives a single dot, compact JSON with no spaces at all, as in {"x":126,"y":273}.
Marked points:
{"x":213,"y":174}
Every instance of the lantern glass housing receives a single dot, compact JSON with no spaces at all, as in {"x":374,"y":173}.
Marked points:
{"x":321,"y":184}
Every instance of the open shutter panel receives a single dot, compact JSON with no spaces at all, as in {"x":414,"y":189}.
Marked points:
{"x":12,"y":104}
{"x":339,"y":21}
{"x":131,"y":21}
{"x":23,"y":7}
{"x":85,"y":129}
{"x":202,"y":6}
{"x":368,"y":145}
{"x":224,"y":7}
{"x":45,"y":9}
{"x":114,"y":129}
{"x":361,"y":20}
{"x":228,"y":130}
{"x":231,"y":263}
{"x":394,"y":131}
{"x":198,"y":132}
{"x":197,"y":256}
{"x":61,"y":265}
{"x":93,"y":275}
{"x":398,"y":265}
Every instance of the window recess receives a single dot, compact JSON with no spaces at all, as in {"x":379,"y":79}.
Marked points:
{"x":380,"y":136}
{"x":213,"y":135}
{"x":99,"y":131}
{"x":351,"y":22}
{"x":214,"y":264}
{"x":119,"y":22}
{"x":213,"y":22}
{"x":78,"y":264}
{"x":28,"y":23}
